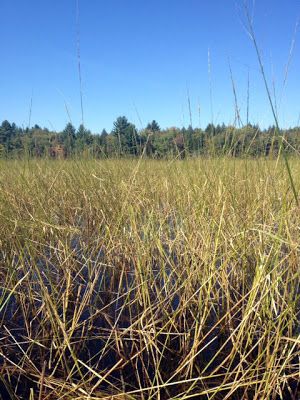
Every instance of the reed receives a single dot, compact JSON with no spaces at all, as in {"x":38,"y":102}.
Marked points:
{"x":140,"y":279}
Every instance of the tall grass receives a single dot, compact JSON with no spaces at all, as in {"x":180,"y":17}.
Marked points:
{"x":125,"y":279}
{"x":273,"y":102}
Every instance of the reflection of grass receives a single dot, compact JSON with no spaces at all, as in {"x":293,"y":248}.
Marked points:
{"x":149,"y":279}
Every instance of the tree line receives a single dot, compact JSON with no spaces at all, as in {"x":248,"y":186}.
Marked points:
{"x":126,"y":140}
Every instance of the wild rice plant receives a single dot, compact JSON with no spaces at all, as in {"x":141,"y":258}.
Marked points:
{"x":126,"y":279}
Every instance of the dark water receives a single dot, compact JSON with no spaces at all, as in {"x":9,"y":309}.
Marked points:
{"x":114,"y":293}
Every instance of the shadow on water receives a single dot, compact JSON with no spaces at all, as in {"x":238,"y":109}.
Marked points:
{"x":112,"y":309}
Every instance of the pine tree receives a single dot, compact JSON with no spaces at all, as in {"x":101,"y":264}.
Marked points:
{"x":6,"y":134}
{"x":126,"y":134}
{"x":153,"y":127}
{"x":103,"y":136}
{"x":68,"y":137}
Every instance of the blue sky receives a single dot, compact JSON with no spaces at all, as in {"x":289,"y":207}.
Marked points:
{"x":139,"y":57}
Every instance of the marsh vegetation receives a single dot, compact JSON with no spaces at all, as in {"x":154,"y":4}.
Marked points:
{"x":140,"y":279}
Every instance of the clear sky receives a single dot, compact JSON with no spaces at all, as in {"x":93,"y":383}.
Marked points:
{"x":139,"y":57}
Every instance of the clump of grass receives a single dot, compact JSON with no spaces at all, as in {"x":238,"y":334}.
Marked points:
{"x":124,"y":279}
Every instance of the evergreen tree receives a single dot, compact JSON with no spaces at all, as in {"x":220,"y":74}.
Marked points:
{"x":103,"y":137}
{"x":68,"y":137}
{"x":84,"y":137}
{"x":153,"y":127}
{"x":6,"y":135}
{"x":210,"y":129}
{"x":126,"y":135}
{"x":104,"y":133}
{"x":5,"y":131}
{"x":189,"y":138}
{"x":81,"y":132}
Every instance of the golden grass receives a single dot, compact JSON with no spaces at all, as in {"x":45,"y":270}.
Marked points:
{"x":129,"y":279}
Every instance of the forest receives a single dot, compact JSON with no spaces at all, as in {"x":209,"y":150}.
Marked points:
{"x":126,"y":140}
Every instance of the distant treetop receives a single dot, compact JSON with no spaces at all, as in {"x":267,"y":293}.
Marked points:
{"x":153,"y":126}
